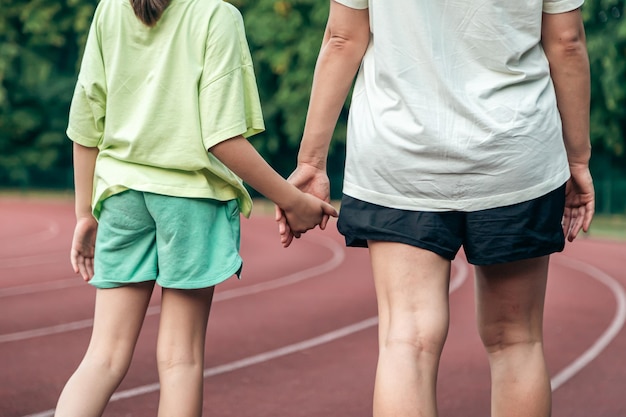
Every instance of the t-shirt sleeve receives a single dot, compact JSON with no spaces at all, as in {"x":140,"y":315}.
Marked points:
{"x":561,"y":6}
{"x":229,"y":98}
{"x":87,"y":110}
{"x":354,"y":4}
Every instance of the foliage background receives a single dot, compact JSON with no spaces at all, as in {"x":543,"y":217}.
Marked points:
{"x":41,"y":42}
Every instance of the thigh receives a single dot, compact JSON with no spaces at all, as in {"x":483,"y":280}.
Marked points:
{"x":183,"y":323}
{"x":412,"y":291}
{"x":510,"y":301}
{"x":125,"y":244}
{"x":197,"y":240}
{"x":520,"y":231}
{"x":118,"y":318}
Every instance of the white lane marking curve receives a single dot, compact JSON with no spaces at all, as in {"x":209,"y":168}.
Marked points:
{"x":455,"y":283}
{"x":41,"y":287}
{"x":338,"y":256}
{"x":52,"y":230}
{"x":609,"y":334}
{"x":33,"y":260}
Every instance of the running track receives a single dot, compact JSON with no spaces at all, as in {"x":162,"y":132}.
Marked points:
{"x":297,"y":335}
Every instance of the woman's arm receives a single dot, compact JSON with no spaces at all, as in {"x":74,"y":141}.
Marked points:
{"x":345,"y":41}
{"x":563,"y":40}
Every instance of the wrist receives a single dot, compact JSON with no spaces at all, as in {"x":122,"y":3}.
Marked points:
{"x":84,"y":213}
{"x":308,"y":162}
{"x":579,"y":164}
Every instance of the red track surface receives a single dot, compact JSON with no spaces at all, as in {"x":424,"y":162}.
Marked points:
{"x":265,"y":356}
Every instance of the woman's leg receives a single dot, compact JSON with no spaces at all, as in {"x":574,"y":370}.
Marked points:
{"x":180,"y":350}
{"x":118,"y":317}
{"x":510,"y":301}
{"x":412,"y":292}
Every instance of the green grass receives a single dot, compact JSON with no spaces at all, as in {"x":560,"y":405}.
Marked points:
{"x":608,"y":226}
{"x":604,"y":226}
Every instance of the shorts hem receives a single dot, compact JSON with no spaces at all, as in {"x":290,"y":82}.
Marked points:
{"x":362,"y":243}
{"x":104,"y":283}
{"x":195,"y":285}
{"x":514,"y":257}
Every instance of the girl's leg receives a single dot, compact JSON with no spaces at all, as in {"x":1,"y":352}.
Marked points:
{"x":510,"y":301}
{"x":118,"y":317}
{"x":412,"y":292}
{"x":180,"y":350}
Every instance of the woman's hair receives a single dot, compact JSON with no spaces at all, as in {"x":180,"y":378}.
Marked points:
{"x":149,"y":11}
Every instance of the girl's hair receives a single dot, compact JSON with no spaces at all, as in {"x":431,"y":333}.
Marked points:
{"x":149,"y":11}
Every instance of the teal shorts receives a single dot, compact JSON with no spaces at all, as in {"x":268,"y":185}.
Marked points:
{"x":183,"y":243}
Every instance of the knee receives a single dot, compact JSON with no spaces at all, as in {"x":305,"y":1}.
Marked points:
{"x":421,"y":335}
{"x":499,"y":338}
{"x":173,"y":358}
{"x":413,"y":346}
{"x":114,"y":363}
{"x":423,"y":342}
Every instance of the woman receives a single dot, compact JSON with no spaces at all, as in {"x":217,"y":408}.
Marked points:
{"x":468,"y":127}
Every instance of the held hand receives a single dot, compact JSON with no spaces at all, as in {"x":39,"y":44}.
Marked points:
{"x":308,"y":212}
{"x":311,"y":180}
{"x":579,"y":202}
{"x":83,"y":247}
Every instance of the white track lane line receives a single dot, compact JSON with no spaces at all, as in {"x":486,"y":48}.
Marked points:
{"x":51,"y":231}
{"x":41,"y":287}
{"x":33,"y":260}
{"x":609,"y":334}
{"x":456,"y":282}
{"x":558,"y":380}
{"x":338,"y":256}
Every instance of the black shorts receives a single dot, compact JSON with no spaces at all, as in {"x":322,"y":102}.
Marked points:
{"x":504,"y":234}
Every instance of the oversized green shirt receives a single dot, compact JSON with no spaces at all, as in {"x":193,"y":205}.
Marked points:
{"x":153,"y":100}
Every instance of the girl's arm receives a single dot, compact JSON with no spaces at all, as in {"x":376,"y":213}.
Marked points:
{"x":84,"y":241}
{"x":563,"y":40}
{"x":303,"y":211}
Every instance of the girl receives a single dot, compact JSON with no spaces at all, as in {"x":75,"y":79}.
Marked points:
{"x":162,"y":82}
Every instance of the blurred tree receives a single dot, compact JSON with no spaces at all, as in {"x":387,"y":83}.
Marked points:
{"x":39,"y":45}
{"x":41,"y":41}
{"x":605,"y":25}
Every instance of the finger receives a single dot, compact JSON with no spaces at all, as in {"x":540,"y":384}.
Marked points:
{"x":285,"y":233}
{"x":329,"y":210}
{"x":282,"y":228}
{"x":576,"y":225}
{"x":589,"y":211}
{"x":278,"y":213}
{"x":287,"y":241}
{"x":81,"y":268}
{"x":89,"y":267}
{"x":324,"y":221}
{"x":74,"y":262}
{"x":566,"y":221}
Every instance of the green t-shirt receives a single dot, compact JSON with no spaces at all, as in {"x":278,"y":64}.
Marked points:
{"x":153,"y":100}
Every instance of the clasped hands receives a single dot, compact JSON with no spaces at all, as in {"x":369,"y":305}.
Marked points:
{"x":310,"y":180}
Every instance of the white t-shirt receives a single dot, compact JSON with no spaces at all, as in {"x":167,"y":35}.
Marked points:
{"x":453,"y":107}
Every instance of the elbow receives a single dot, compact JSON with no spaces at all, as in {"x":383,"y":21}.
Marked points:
{"x":347,"y":44}
{"x":569,"y":43}
{"x":572,"y":43}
